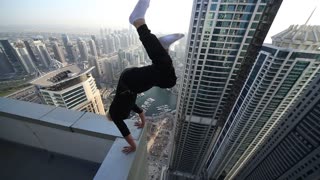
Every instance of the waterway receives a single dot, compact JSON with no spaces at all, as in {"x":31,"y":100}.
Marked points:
{"x":161,"y":97}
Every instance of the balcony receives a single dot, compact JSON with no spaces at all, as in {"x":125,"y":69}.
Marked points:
{"x":47,"y":142}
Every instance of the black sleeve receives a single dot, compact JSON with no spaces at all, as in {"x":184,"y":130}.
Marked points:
{"x":123,"y":128}
{"x":136,"y":109}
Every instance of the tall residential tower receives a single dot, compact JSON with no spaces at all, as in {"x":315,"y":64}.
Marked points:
{"x":224,"y":39}
{"x":283,"y":71}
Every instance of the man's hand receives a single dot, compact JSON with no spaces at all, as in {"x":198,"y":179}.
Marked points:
{"x":139,"y":124}
{"x":132,"y":147}
{"x":128,"y":149}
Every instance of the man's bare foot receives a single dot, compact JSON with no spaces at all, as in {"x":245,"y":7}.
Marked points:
{"x":128,"y":149}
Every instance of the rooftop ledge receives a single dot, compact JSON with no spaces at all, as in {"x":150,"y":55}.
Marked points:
{"x":82,"y":135}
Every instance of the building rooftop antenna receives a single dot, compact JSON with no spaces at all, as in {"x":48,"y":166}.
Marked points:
{"x":310,"y":16}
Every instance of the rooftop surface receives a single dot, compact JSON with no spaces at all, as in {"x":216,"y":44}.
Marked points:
{"x":46,"y":80}
{"x":40,"y":140}
{"x":24,"y":162}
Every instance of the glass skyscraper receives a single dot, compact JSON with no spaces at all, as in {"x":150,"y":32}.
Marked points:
{"x":292,"y":151}
{"x":224,"y":39}
{"x":283,"y":71}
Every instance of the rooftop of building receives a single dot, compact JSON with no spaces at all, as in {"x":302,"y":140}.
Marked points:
{"x":295,"y":34}
{"x":47,"y":142}
{"x":60,"y":75}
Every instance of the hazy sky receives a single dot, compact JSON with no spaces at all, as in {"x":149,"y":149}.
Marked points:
{"x":163,"y":15}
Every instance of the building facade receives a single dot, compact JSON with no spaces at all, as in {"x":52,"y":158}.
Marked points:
{"x":24,"y":58}
{"x":5,"y":65}
{"x":43,"y":54}
{"x":70,"y":87}
{"x":223,"y":37}
{"x":58,"y":53}
{"x":292,"y":151}
{"x":83,"y":49}
{"x":9,"y":54}
{"x":281,"y":74}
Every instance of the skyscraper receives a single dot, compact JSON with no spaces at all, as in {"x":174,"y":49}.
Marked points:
{"x":93,"y":60}
{"x":224,"y":39}
{"x":42,"y":53}
{"x":83,"y":49}
{"x":70,"y":49}
{"x":58,"y":54}
{"x":70,"y":87}
{"x":72,"y":53}
{"x":101,"y":33}
{"x":292,"y":151}
{"x":24,"y":58}
{"x":107,"y":70}
{"x":93,"y":48}
{"x":283,"y":71}
{"x":65,"y":40}
{"x":5,"y":65}
{"x":124,"y":41}
{"x":10,"y":55}
{"x":117,"y":42}
{"x":30,"y":51}
{"x":93,"y":37}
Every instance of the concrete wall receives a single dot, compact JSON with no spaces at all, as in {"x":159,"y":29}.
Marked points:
{"x":82,"y":135}
{"x":62,"y":141}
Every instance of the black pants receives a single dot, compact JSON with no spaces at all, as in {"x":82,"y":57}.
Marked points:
{"x":136,"y":80}
{"x":160,"y":73}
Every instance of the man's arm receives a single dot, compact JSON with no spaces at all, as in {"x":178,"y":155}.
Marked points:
{"x":141,"y":115}
{"x":123,"y":128}
{"x":132,"y":147}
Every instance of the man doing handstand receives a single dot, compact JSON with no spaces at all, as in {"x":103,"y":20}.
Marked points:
{"x":139,"y":79}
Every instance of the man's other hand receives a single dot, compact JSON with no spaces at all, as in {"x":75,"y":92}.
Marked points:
{"x":139,"y":124}
{"x":128,"y":149}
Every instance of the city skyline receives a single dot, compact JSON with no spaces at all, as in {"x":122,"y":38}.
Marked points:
{"x":245,"y":104}
{"x":90,"y":16}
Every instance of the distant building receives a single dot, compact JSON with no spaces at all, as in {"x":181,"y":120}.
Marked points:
{"x":93,"y":48}
{"x":24,"y":58}
{"x":9,"y":54}
{"x":65,"y":40}
{"x":30,"y":50}
{"x":107,"y":70}
{"x":43,"y":54}
{"x":58,"y":53}
{"x":72,"y":53}
{"x":83,"y":49}
{"x":108,"y":44}
{"x":124,"y":41}
{"x":123,"y":59}
{"x":102,"y":33}
{"x":5,"y":65}
{"x":96,"y":42}
{"x":70,"y":87}
{"x":117,"y":42}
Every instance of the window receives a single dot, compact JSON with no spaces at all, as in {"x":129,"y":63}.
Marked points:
{"x":261,"y":8}
{"x":213,"y":7}
{"x":249,"y":8}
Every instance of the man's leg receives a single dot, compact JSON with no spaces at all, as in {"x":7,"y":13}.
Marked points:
{"x":155,"y":50}
{"x":163,"y":73}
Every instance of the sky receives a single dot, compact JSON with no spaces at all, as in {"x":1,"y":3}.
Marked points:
{"x":163,"y":16}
